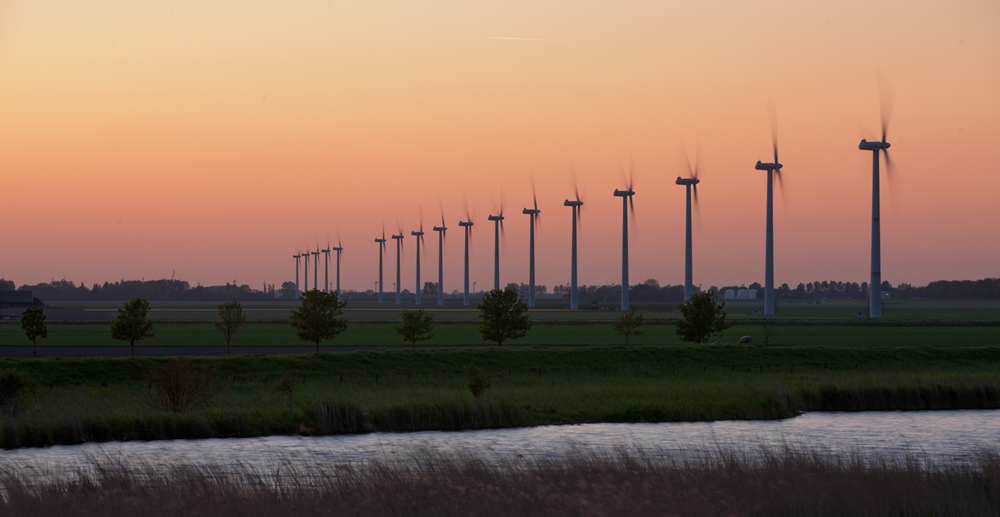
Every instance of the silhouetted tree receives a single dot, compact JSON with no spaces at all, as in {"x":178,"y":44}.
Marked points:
{"x":231,"y":320}
{"x":701,"y":315}
{"x":33,"y":325}
{"x":131,"y":324}
{"x":415,"y":326}
{"x":503,"y":316}
{"x":317,"y":317}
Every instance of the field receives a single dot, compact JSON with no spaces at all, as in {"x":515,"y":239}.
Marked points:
{"x":407,"y":390}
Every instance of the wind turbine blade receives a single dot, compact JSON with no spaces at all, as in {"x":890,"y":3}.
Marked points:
{"x":772,"y":116}
{"x":696,"y":208}
{"x":887,"y":99}
{"x":631,"y":173}
{"x":781,"y":187}
{"x":687,"y":161}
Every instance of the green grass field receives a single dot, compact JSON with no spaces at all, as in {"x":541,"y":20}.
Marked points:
{"x":407,"y":390}
{"x":450,"y":334}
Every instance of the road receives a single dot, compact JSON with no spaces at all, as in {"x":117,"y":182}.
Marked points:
{"x":167,"y":351}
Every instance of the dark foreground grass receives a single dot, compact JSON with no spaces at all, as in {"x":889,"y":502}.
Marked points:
{"x":728,"y":483}
{"x":406,"y":390}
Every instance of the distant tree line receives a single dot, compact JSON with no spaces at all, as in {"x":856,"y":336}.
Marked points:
{"x":159,"y":290}
{"x":648,"y":291}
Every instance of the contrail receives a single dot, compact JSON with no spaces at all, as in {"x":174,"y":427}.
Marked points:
{"x":527,"y":39}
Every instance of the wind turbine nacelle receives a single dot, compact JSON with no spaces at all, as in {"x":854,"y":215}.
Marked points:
{"x":379,"y":240}
{"x":624,"y":193}
{"x":763,"y":166}
{"x":572,"y":203}
{"x":530,"y":211}
{"x":865,"y":145}
{"x":464,"y":223}
{"x":416,"y":234}
{"x":495,"y":218}
{"x":687,"y":181}
{"x":439,"y":228}
{"x":397,"y":236}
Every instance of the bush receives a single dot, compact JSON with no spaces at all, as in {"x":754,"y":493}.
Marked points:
{"x":476,"y":380}
{"x":16,"y":389}
{"x":701,"y":316}
{"x":179,"y":385}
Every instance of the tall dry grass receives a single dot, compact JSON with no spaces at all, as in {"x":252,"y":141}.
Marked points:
{"x":620,"y":483}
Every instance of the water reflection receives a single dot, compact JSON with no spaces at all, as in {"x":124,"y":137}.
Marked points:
{"x":939,"y":436}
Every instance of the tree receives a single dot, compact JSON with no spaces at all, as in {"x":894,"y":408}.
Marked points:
{"x":288,"y":290}
{"x":415,"y":326}
{"x":33,"y":324}
{"x":231,"y":320}
{"x":430,"y":288}
{"x":317,"y":318}
{"x":628,"y":324}
{"x":701,"y":315}
{"x":503,"y":316}
{"x":131,"y":324}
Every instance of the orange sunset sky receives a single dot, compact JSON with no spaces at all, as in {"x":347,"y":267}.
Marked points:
{"x":215,"y":138}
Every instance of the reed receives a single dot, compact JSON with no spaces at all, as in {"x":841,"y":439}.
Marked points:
{"x":787,"y":482}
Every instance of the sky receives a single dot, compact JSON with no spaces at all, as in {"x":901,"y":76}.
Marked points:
{"x":212,"y":140}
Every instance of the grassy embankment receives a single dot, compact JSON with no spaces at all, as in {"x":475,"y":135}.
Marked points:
{"x":408,"y":390}
{"x":787,"y":333}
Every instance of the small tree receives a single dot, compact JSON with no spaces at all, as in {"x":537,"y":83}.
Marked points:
{"x":16,"y":389}
{"x":476,"y":380}
{"x":231,"y":320}
{"x":701,"y":315}
{"x":33,"y":324}
{"x":415,"y":326}
{"x":317,"y":318}
{"x":628,"y":324}
{"x":131,"y":324}
{"x":503,"y":316}
{"x":177,"y":385}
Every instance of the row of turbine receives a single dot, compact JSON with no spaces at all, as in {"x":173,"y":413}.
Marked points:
{"x":691,"y":183}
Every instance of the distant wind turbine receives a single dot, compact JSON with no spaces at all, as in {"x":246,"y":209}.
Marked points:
{"x":875,"y":288}
{"x":773,"y":170}
{"x":498,"y":229}
{"x":326,"y":267}
{"x":533,"y":212}
{"x":441,"y":232}
{"x":315,"y":255}
{"x":420,"y":238}
{"x":305,"y":270}
{"x":297,"y":256}
{"x":381,"y":251}
{"x":399,"y":251}
{"x":627,"y":206}
{"x":467,"y":224}
{"x":338,"y":249}
{"x":577,"y":206}
{"x":691,"y":182}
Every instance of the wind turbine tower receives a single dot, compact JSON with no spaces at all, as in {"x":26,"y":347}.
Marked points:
{"x":626,"y":196}
{"x":338,"y":249}
{"x":441,"y":231}
{"x":315,"y":255}
{"x":498,"y":227}
{"x":399,"y":249}
{"x":773,"y":170}
{"x":875,"y":287}
{"x":533,"y":212}
{"x":420,"y":237}
{"x":573,"y":298}
{"x":691,"y":182}
{"x":297,"y":256}
{"x":468,"y":231}
{"x":381,"y":251}
{"x":305,"y":270}
{"x":326,"y":268}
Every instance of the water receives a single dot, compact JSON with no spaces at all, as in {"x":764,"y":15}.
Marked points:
{"x":938,"y":436}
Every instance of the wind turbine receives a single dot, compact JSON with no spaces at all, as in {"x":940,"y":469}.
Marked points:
{"x":420,"y":238}
{"x":297,"y":256}
{"x":875,"y":288}
{"x":315,"y":255}
{"x":627,"y":206}
{"x":441,"y":231}
{"x":467,"y":224}
{"x":533,"y":212}
{"x":498,"y":228}
{"x":338,"y":249}
{"x":773,"y":170}
{"x":399,"y":250}
{"x":305,"y":270}
{"x":691,"y":182}
{"x":577,"y":208}
{"x":326,"y":267}
{"x":381,"y":250}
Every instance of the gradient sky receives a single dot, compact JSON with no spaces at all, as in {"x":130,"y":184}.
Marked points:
{"x":215,"y":138}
